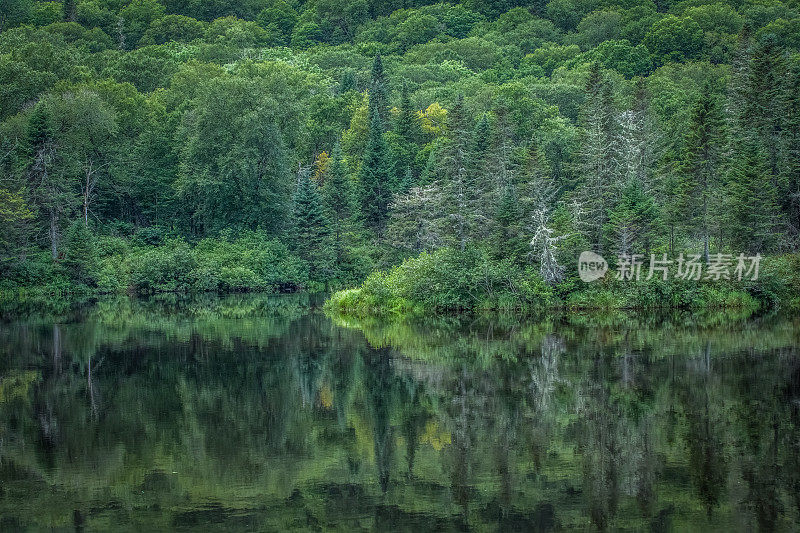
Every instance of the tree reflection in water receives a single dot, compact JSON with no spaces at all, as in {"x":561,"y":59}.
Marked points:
{"x":252,"y":412}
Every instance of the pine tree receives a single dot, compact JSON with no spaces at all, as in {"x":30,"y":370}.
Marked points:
{"x":311,"y":227}
{"x":378,"y":91}
{"x":374,"y":177}
{"x":752,"y":217}
{"x":700,"y":167}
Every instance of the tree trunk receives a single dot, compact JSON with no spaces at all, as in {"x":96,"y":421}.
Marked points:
{"x":54,"y":234}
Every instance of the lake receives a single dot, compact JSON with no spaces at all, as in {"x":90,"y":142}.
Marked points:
{"x":250,"y":412}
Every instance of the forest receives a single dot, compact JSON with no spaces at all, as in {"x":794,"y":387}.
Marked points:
{"x":415,"y":156}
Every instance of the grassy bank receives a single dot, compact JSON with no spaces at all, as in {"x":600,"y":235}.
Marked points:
{"x":452,"y":281}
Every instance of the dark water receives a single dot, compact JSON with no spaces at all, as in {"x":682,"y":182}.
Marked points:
{"x":252,"y":413}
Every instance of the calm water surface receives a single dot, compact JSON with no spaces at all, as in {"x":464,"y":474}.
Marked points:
{"x":251,"y":413}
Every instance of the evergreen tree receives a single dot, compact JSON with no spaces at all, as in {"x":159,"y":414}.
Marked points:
{"x":50,"y":192}
{"x":337,"y":196}
{"x":638,"y":138}
{"x":536,"y":185}
{"x":416,"y":220}
{"x":700,"y":167}
{"x":311,"y":227}
{"x":374,"y":177}
{"x":16,"y":225}
{"x":500,"y":164}
{"x":407,"y":123}
{"x":632,"y":222}
{"x":378,"y":91}
{"x":507,"y":225}
{"x":790,"y":150}
{"x":407,"y":130}
{"x":600,"y":153}
{"x":762,"y":111}
{"x":458,"y":176}
{"x":478,"y":163}
{"x":80,"y":254}
{"x":752,"y":217}
{"x":738,"y":86}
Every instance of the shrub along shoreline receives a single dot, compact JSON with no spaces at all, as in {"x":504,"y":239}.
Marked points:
{"x":252,"y":262}
{"x":449,"y":281}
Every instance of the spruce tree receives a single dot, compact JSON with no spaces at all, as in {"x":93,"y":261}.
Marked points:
{"x":790,"y":149}
{"x":600,"y":153}
{"x":477,"y":160}
{"x":337,"y":196}
{"x":752,"y":217}
{"x":378,"y":91}
{"x":50,"y":191}
{"x":374,"y":177}
{"x":638,"y":138}
{"x":311,"y":227}
{"x":632,"y":222}
{"x":453,"y":160}
{"x":502,"y":144}
{"x":700,"y":167}
{"x":762,"y":111}
{"x":407,"y":124}
{"x":80,"y":254}
{"x":408,"y":131}
{"x":507,"y":225}
{"x":461,"y":199}
{"x":738,"y":86}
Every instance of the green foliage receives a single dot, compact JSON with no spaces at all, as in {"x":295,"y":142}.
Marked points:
{"x":311,"y":232}
{"x":447,"y":280}
{"x":674,"y":39}
{"x":156,"y":120}
{"x":80,"y":254}
{"x":374,"y":178}
{"x":251,"y":262}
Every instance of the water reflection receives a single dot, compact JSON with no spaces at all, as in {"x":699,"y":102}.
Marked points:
{"x":252,"y":413}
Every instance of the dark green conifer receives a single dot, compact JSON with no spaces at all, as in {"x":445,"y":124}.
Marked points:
{"x":374,"y":177}
{"x":311,"y":227}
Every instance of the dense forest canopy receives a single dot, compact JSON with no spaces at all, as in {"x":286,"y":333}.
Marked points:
{"x":268,"y":144}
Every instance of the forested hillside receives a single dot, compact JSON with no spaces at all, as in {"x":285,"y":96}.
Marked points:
{"x":285,"y":145}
